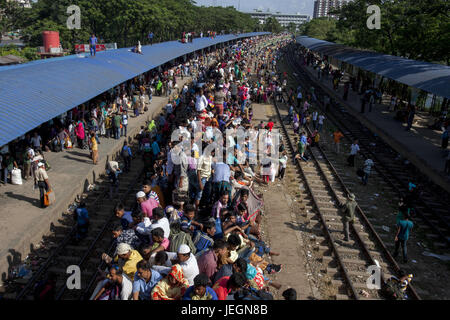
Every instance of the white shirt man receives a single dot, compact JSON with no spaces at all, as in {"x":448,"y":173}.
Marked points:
{"x":36,"y":141}
{"x":321,"y":118}
{"x":200,"y":103}
{"x":126,"y":291}
{"x":354,"y":148}
{"x":314,"y":115}
{"x":162,"y":223}
{"x":169,"y":108}
{"x":190,"y":266}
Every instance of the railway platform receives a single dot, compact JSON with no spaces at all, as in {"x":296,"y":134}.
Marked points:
{"x":420,"y":145}
{"x":23,"y":223}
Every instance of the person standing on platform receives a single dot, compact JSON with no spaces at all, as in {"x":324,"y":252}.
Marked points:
{"x":363,"y":103}
{"x":123,"y":130}
{"x":94,"y":147}
{"x":412,"y":112}
{"x":371,"y":100}
{"x":445,"y":137}
{"x":117,"y":123}
{"x":354,"y":148}
{"x":150,"y":38}
{"x":41,"y":180}
{"x":447,"y":164}
{"x":346,"y":88}
{"x":93,"y":43}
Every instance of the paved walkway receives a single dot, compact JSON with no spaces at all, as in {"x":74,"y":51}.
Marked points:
{"x":23,"y":222}
{"x":420,"y":145}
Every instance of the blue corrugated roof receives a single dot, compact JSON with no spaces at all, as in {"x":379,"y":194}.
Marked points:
{"x":430,"y":77}
{"x":35,"y":92}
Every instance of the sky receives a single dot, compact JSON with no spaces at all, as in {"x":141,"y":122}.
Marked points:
{"x":283,"y":6}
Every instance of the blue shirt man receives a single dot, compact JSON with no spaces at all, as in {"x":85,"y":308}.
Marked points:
{"x":143,"y":287}
{"x":405,"y":227}
{"x":155,"y":148}
{"x":221,"y":172}
{"x":150,"y":37}
{"x":402,"y":236}
{"x":304,"y":139}
{"x":126,"y":219}
{"x":92,"y":43}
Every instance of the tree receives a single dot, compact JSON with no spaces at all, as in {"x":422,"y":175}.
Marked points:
{"x":291,"y":27}
{"x":12,"y":16}
{"x":272,"y":25}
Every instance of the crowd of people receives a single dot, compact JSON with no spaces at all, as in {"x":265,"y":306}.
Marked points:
{"x":194,"y":232}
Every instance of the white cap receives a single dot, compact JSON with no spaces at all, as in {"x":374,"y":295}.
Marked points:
{"x":140,"y":194}
{"x":123,"y":248}
{"x":184,"y":249}
{"x":41,"y":164}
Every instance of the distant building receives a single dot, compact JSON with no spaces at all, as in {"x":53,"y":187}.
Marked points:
{"x":283,"y":19}
{"x":323,"y":7}
{"x":24,"y":3}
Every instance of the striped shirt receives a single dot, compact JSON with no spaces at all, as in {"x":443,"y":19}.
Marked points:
{"x":202,"y":242}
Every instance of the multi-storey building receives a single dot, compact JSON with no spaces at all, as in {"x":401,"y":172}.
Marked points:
{"x":323,"y":7}
{"x":283,"y":19}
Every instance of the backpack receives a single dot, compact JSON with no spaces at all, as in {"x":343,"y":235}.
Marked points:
{"x":252,"y":294}
{"x":391,"y":290}
{"x":181,"y":238}
{"x":125,"y":152}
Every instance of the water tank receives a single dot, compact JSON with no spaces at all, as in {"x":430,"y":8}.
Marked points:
{"x":51,"y":40}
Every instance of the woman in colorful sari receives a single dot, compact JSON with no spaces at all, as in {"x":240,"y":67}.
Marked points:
{"x":171,"y":287}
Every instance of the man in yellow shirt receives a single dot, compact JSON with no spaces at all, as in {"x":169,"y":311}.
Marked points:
{"x":94,"y":148}
{"x":125,"y":258}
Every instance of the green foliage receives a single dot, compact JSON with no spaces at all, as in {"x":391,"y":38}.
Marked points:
{"x":291,"y":27}
{"x":415,"y":29}
{"x":127,"y":22}
{"x":27,"y":53}
{"x":272,"y":25}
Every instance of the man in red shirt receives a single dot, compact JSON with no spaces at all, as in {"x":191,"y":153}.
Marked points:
{"x":225,"y":285}
{"x":207,"y":262}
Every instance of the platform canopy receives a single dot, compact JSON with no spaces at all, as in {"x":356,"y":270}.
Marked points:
{"x":430,"y":77}
{"x":36,"y":92}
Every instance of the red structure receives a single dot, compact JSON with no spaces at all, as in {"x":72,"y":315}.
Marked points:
{"x":51,"y":46}
{"x":51,"y":40}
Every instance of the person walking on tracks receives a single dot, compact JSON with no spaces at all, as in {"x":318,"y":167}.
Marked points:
{"x":337,"y":136}
{"x":354,"y":148}
{"x":368,"y":164}
{"x":42,"y":181}
{"x":349,"y":210}
{"x":402,"y":236}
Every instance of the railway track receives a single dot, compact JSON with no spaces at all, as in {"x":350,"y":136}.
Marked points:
{"x":345,"y":262}
{"x":86,"y":252}
{"x":432,"y":205}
